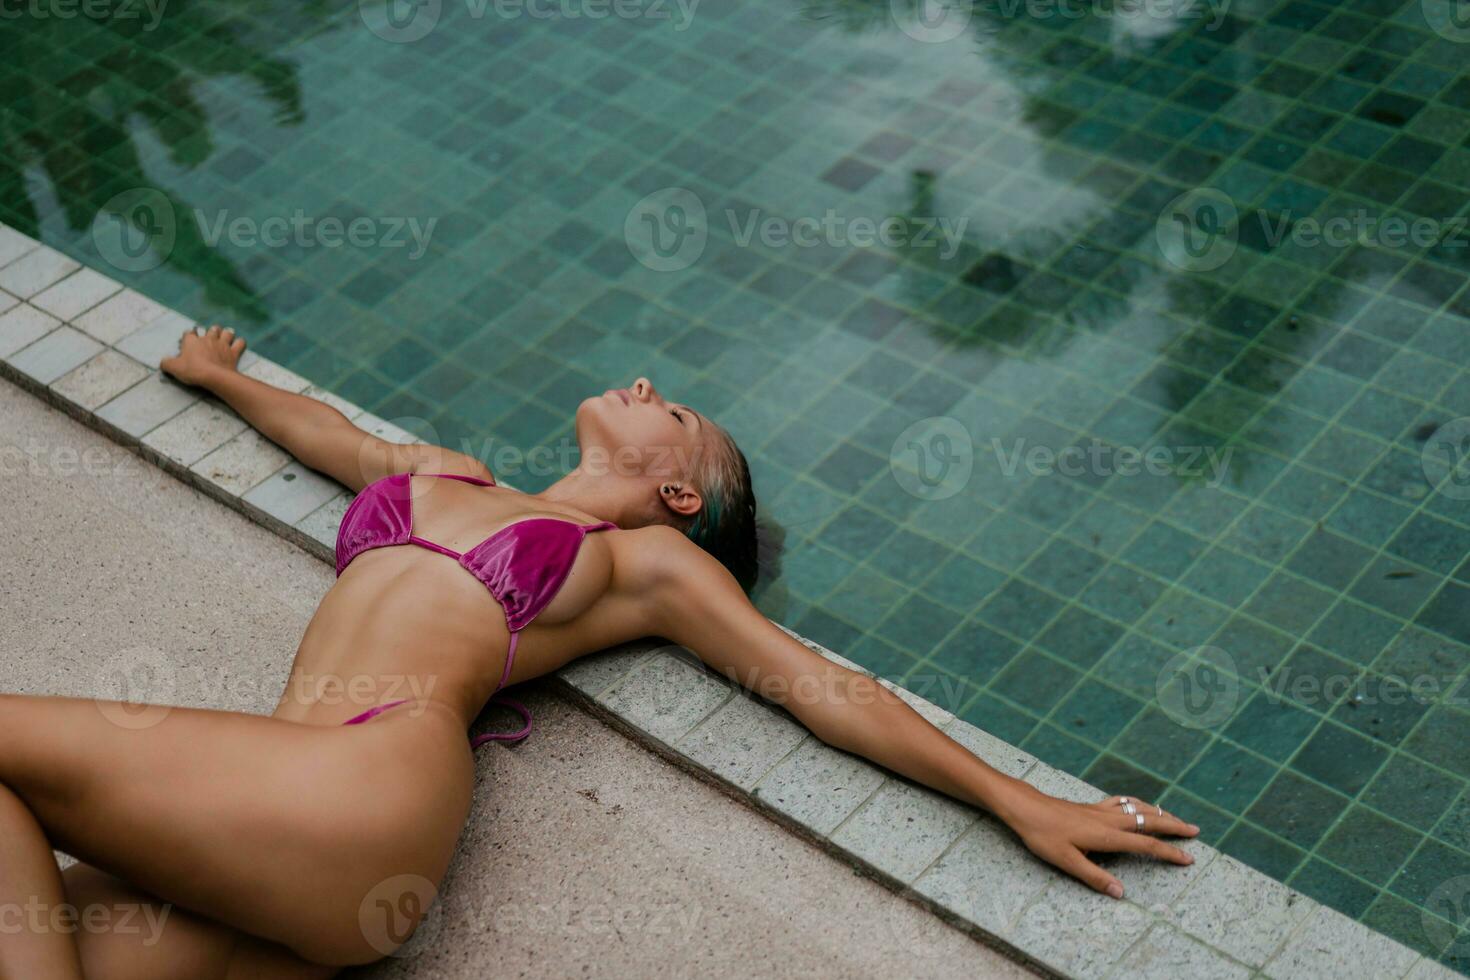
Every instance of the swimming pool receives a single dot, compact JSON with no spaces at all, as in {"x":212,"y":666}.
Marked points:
{"x":1103,"y":369}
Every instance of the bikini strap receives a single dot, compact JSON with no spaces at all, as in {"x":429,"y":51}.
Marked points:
{"x":459,"y":476}
{"x":515,"y":706}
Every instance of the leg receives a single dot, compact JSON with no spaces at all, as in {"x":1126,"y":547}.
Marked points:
{"x":136,"y":937}
{"x":30,"y":891}
{"x":278,"y":829}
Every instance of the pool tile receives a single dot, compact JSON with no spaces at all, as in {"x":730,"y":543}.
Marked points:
{"x":22,"y":326}
{"x":1334,"y":887}
{"x":55,"y":354}
{"x":1165,"y":951}
{"x":148,"y":403}
{"x":157,"y":340}
{"x":292,"y":492}
{"x":75,"y":294}
{"x":1327,"y":941}
{"x":987,"y":876}
{"x":742,"y":740}
{"x":321,"y":525}
{"x":818,"y":785}
{"x":1369,"y":845}
{"x":196,"y":431}
{"x":1231,"y":909}
{"x":932,"y":822}
{"x":118,"y":316}
{"x":13,"y":245}
{"x":35,"y":271}
{"x":1297,"y":809}
{"x":99,"y":379}
{"x":666,"y":696}
{"x":1080,"y":936}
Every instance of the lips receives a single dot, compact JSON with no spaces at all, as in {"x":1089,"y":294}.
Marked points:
{"x":623,"y":394}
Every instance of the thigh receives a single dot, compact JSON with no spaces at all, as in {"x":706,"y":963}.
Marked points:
{"x":123,"y":933}
{"x":279,"y":829}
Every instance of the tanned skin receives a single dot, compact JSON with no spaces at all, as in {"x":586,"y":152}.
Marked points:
{"x":260,"y":840}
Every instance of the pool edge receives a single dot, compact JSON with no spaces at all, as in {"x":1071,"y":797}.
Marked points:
{"x":1217,"y":918}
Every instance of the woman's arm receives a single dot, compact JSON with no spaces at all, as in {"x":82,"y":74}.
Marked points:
{"x":698,"y":604}
{"x":312,"y":431}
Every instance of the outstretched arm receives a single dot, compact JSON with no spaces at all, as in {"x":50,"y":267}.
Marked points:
{"x":312,"y":431}
{"x":699,"y":605}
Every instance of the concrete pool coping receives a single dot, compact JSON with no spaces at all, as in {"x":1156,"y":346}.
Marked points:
{"x":89,"y":346}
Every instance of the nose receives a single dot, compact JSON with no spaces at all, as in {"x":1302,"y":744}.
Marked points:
{"x":644,"y":391}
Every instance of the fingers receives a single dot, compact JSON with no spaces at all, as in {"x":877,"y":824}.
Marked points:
{"x":1156,"y":820}
{"x":1122,"y":840}
{"x":1076,"y":864}
{"x":1168,"y":824}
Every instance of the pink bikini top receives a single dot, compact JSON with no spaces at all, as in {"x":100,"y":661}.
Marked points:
{"x":523,"y":565}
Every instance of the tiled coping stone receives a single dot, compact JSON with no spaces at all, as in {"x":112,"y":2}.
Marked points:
{"x":90,"y":347}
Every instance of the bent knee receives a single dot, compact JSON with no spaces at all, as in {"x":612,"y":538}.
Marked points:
{"x":126,"y":934}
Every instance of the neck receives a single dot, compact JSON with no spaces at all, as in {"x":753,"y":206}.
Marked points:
{"x":621,"y":501}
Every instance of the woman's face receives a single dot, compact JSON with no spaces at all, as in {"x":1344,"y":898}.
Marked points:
{"x":636,"y":432}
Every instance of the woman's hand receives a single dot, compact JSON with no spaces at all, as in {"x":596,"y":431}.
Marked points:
{"x":203,"y":355}
{"x":1063,"y":833}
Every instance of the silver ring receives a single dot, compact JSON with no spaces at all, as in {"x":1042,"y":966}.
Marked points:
{"x":1122,"y":801}
{"x":1139,"y":817}
{"x":1129,"y":809}
{"x":1159,"y":808}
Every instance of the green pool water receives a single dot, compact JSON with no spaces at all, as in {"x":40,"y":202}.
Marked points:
{"x":1102,"y":368}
